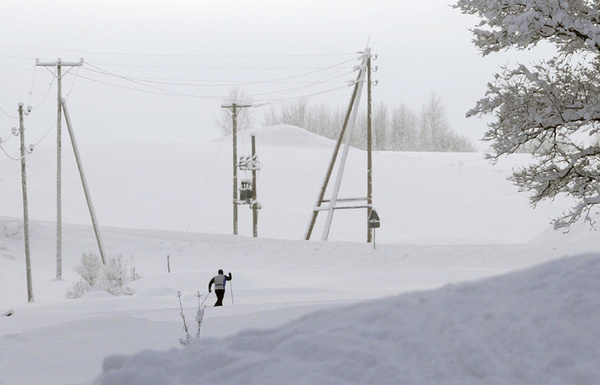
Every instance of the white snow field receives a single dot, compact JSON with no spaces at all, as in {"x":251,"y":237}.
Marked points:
{"x":467,"y":283}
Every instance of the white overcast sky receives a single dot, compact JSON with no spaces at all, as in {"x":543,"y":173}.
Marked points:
{"x":198,"y":50}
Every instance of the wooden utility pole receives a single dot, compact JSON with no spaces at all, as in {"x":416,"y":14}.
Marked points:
{"x":25,"y":206}
{"x":59,"y":64}
{"x":86,"y":190}
{"x":234,"y":114}
{"x":254,"y":201}
{"x":345,"y":136}
{"x":369,"y":153}
{"x":329,"y":171}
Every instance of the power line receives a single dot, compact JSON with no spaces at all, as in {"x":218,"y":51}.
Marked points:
{"x":8,"y":155}
{"x":47,"y":92}
{"x":209,"y":68}
{"x":157,"y":91}
{"x":32,"y":84}
{"x":16,"y":68}
{"x":16,"y":57}
{"x":7,"y":114}
{"x":147,"y":54}
{"x":216,"y":82}
{"x":269,"y":101}
{"x":326,"y":80}
{"x":73,"y":83}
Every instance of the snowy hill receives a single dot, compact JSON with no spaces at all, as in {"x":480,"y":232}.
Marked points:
{"x":446,"y":219}
{"x":186,"y":186}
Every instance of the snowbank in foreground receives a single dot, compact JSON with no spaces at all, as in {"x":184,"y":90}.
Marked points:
{"x":537,"y":326}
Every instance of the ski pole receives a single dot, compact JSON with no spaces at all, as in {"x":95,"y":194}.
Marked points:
{"x":205,"y":298}
{"x":231,"y":291}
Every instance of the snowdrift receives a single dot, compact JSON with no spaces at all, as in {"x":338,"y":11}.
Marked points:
{"x":535,"y":326}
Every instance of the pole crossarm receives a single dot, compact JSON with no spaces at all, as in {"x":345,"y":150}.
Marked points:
{"x":59,"y":62}
{"x":231,"y":106}
{"x":327,"y":208}
{"x":346,"y":200}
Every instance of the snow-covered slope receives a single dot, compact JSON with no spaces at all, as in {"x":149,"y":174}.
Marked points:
{"x":186,"y":186}
{"x":538,"y":326}
{"x":446,"y":219}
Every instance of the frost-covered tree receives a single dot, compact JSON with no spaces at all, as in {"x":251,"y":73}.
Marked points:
{"x":112,"y":277}
{"x":553,"y":105}
{"x":400,"y":130}
{"x":434,"y":126}
{"x":404,"y":129}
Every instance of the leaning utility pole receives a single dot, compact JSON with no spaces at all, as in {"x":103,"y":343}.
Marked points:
{"x":25,"y":207}
{"x":86,"y":190}
{"x":234,"y":114}
{"x":59,"y":64}
{"x":344,"y":138}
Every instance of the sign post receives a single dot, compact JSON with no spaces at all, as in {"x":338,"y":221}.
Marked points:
{"x":374,"y":223}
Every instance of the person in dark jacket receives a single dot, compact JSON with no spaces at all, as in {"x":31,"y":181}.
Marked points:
{"x":219,"y":281}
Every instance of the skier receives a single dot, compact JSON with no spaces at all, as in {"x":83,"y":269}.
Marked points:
{"x":219,"y":281}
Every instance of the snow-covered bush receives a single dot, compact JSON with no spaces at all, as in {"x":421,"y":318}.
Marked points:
{"x":112,"y":277}
{"x":115,"y":276}
{"x":79,"y":289}
{"x":89,"y":269}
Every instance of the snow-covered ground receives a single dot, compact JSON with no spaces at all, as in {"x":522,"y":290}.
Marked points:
{"x":467,"y":283}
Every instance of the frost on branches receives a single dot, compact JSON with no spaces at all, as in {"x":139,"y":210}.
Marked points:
{"x":553,"y":106}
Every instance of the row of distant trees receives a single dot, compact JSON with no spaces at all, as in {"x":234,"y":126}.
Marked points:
{"x":398,"y":129}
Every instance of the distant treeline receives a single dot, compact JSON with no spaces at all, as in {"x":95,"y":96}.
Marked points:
{"x":399,"y":129}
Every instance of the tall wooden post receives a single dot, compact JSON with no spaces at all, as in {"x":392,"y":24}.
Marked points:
{"x":86,"y":190}
{"x":254,"y":200}
{"x":234,"y":113}
{"x":25,"y":206}
{"x":235,"y":167}
{"x":345,"y":136}
{"x":338,"y":144}
{"x":59,"y":174}
{"x":369,"y":153}
{"x":59,"y":64}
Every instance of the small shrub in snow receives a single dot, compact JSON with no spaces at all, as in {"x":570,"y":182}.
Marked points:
{"x":112,"y":277}
{"x":134,"y":275}
{"x":116,"y":276}
{"x":89,"y":269}
{"x":79,"y":289}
